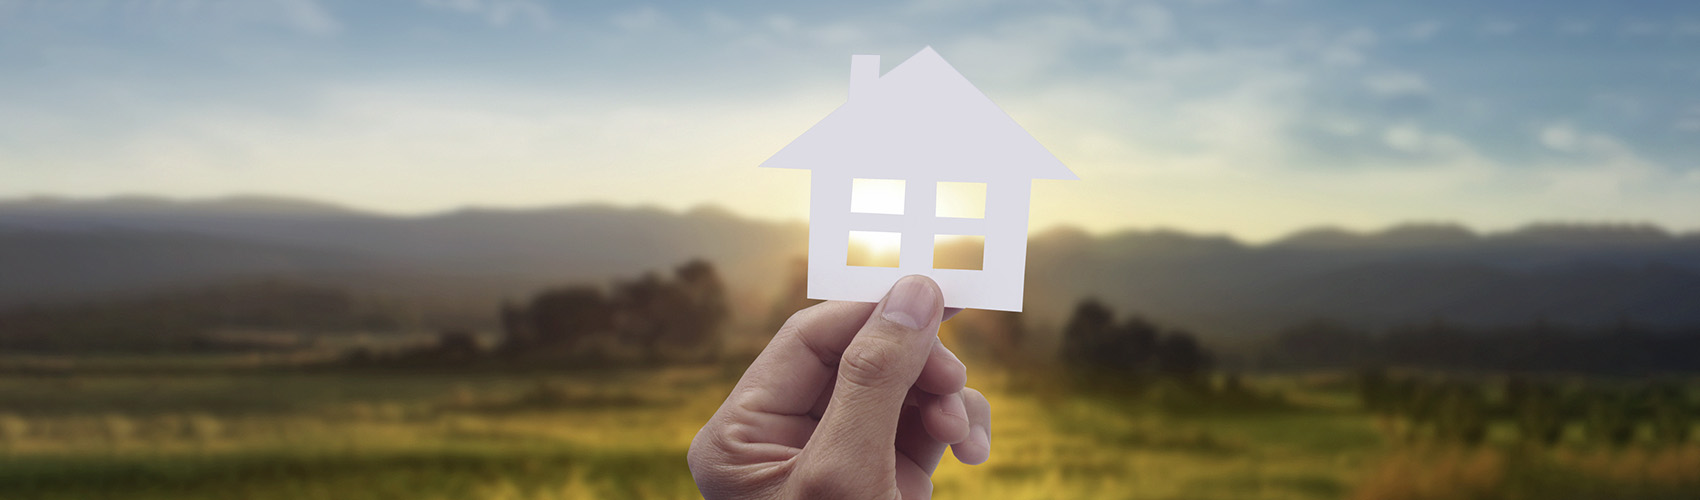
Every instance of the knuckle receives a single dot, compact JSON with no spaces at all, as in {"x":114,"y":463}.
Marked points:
{"x":794,"y":331}
{"x":801,"y":319}
{"x":822,"y":483}
{"x":871,"y":362}
{"x":972,"y":394}
{"x":707,"y":445}
{"x":817,"y":485}
{"x":794,"y":322}
{"x":700,"y":457}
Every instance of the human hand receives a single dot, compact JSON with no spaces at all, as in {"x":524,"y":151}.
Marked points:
{"x":849,"y":400}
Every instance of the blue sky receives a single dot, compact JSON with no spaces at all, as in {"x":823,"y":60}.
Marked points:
{"x":1250,"y":118}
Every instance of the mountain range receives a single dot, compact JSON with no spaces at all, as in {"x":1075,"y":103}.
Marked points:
{"x":58,"y":250}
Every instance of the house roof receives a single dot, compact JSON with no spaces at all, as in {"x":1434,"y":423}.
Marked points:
{"x":922,"y":114}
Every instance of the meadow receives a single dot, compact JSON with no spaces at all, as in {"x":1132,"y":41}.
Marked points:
{"x":214,"y":431}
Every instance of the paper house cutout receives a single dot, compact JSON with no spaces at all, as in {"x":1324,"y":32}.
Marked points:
{"x":923,"y":128}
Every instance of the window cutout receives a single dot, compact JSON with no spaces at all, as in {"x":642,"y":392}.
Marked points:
{"x":962,"y":199}
{"x":874,"y":249}
{"x":876,"y":196}
{"x":954,"y":251}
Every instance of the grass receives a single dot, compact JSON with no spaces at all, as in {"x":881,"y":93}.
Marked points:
{"x":361,"y":434}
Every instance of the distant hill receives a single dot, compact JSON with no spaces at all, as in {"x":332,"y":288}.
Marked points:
{"x":54,"y":250}
{"x":57,"y":250}
{"x":1576,"y":274}
{"x":231,"y":205}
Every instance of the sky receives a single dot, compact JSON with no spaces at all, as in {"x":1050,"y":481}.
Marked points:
{"x":1248,"y":118}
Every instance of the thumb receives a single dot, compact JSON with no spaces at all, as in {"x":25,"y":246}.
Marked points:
{"x":875,"y":374}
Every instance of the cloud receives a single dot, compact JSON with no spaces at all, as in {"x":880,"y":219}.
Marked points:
{"x":309,"y":16}
{"x":1566,"y":138}
{"x":643,"y":19}
{"x":1348,"y":49}
{"x":1423,"y":31}
{"x":1174,"y":113}
{"x":1560,"y":137}
{"x":1498,"y":28}
{"x":305,"y":16}
{"x":1396,"y":84}
{"x":1594,"y":165}
{"x":499,"y":12}
{"x":1641,"y":28}
{"x":1343,"y":126}
{"x":1688,"y":28}
{"x":418,"y":147}
{"x":1689,"y":121}
{"x":1404,"y":138}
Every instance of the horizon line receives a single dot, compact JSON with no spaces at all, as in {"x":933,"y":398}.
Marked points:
{"x":325,"y":206}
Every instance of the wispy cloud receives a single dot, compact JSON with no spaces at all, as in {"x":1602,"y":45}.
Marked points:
{"x":1498,"y":28}
{"x":499,"y":12}
{"x":1253,"y":119}
{"x":1423,"y":31}
{"x":1396,"y":84}
{"x":305,"y":16}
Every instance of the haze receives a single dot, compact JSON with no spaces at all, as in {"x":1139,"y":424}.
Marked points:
{"x":1247,"y":118}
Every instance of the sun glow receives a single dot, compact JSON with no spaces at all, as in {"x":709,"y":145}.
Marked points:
{"x":957,"y":251}
{"x":876,"y":196}
{"x":874,"y":249}
{"x":962,"y":200}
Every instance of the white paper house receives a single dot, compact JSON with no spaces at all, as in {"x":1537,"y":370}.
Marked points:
{"x":925,"y":128}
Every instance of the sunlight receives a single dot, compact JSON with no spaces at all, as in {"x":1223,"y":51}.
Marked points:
{"x":959,"y":251}
{"x":876,"y":196}
{"x":962,"y":199}
{"x":874,"y":249}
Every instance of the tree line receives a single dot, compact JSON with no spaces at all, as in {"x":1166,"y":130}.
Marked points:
{"x":651,"y":317}
{"x":1623,"y":348}
{"x":1131,"y":349}
{"x":198,"y":319}
{"x":1542,"y":411}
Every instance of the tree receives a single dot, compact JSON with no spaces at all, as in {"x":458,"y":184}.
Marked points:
{"x":1093,"y":340}
{"x":1539,"y":411}
{"x":1419,"y":401}
{"x":646,"y":310}
{"x":1375,"y":391}
{"x":1087,"y":327}
{"x":1135,"y":348}
{"x":1462,"y":414}
{"x":1669,"y":411}
{"x":1179,"y":356}
{"x":649,"y":314}
{"x":1609,"y":419}
{"x":1323,"y":343}
{"x":563,"y":318}
{"x":705,"y":296}
{"x":457,"y":345}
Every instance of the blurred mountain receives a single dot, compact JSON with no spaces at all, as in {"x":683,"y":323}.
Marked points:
{"x":57,"y":250}
{"x":231,"y":205}
{"x":54,"y":250}
{"x":1406,"y":235}
{"x":1562,"y":273}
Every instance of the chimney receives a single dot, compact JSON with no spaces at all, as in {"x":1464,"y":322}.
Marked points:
{"x":864,"y":71}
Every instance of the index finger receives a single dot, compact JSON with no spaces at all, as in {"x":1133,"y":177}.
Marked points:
{"x":801,"y":360}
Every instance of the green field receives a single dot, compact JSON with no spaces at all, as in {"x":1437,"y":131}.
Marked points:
{"x":210,"y":432}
